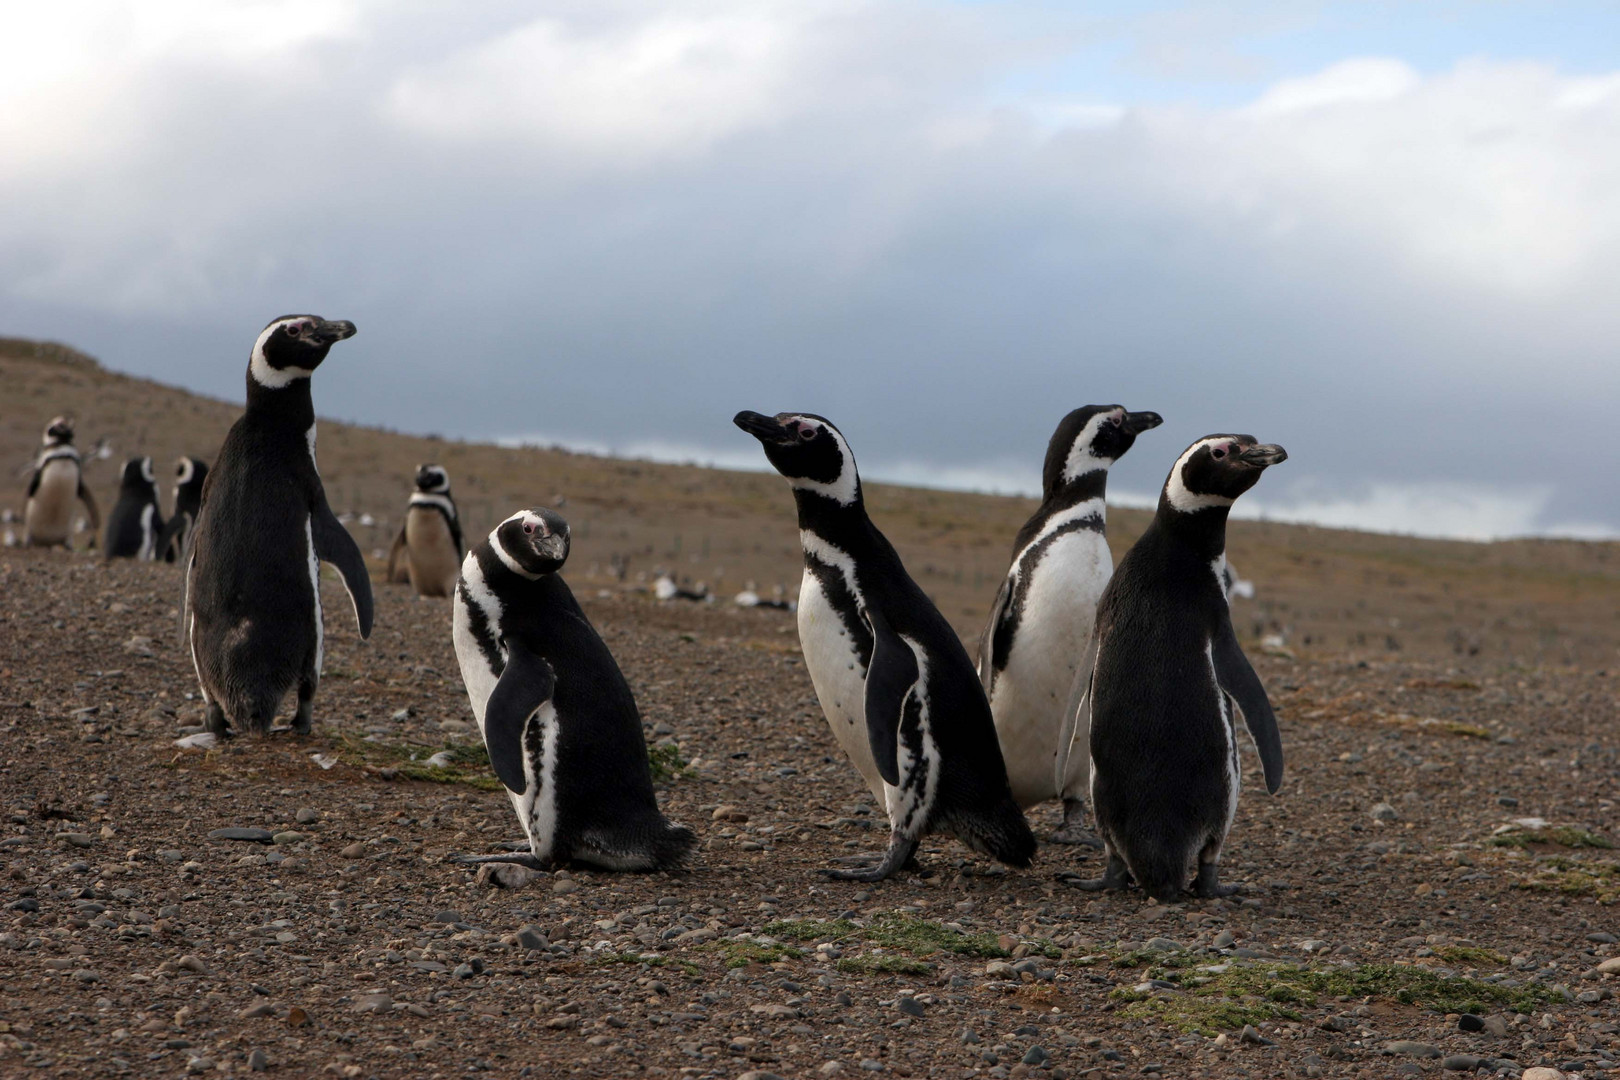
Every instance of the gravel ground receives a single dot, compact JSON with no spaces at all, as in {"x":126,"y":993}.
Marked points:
{"x":1388,"y":890}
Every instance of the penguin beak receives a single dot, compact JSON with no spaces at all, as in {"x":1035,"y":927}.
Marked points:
{"x":1263,"y":455}
{"x":767,"y":429}
{"x":329,"y":330}
{"x":1138,"y":422}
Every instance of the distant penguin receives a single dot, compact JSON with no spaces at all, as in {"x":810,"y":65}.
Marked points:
{"x":1165,"y":771}
{"x":559,"y":720}
{"x":56,"y":484}
{"x":428,"y":549}
{"x":189,"y":475}
{"x":253,"y":603}
{"x":136,"y":521}
{"x":1039,"y":633}
{"x":893,"y":679}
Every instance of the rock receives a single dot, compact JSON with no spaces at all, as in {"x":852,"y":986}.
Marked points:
{"x":729,"y":813}
{"x":297,"y":1017}
{"x":565,"y":886}
{"x":192,"y":963}
{"x":1470,"y":1022}
{"x":256,"y":836}
{"x":1610,"y":966}
{"x":1253,"y":1037}
{"x":253,"y":1012}
{"x":1462,"y":1063}
{"x":774,"y":1011}
{"x":1224,"y":940}
{"x":76,"y":839}
{"x":354,"y":850}
{"x":258,"y":1061}
{"x":758,"y":1074}
{"x":1000,"y":969}
{"x":1035,"y":1055}
{"x":1541,"y":1072}
{"x":286,"y":836}
{"x":1497,"y":1026}
{"x":200,"y":1065}
{"x":871,"y":1065}
{"x":533,"y":938}
{"x":563,"y":1023}
{"x":85,"y":975}
{"x":1384,"y":812}
{"x":909,"y":1006}
{"x":372,"y":1003}
{"x":830,"y":1068}
{"x":467,"y":970}
{"x":446,"y":916}
{"x":307,"y":815}
{"x":27,"y":903}
{"x":1410,"y":1048}
{"x":505,"y":875}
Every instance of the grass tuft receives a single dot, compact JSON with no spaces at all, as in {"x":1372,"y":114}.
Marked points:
{"x":1468,"y":954}
{"x":883,"y":965}
{"x":1575,"y":877}
{"x":742,"y":953}
{"x":919,"y":937}
{"x":667,"y":763}
{"x":1568,"y":836}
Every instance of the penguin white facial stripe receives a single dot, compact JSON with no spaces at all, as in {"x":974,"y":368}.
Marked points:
{"x":506,"y":559}
{"x":844,"y":489}
{"x":267,"y":376}
{"x":186,"y":471}
{"x":1081,"y":460}
{"x":1176,"y":486}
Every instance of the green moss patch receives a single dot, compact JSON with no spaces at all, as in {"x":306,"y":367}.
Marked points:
{"x":919,"y":937}
{"x":1574,"y":877}
{"x":742,"y":953}
{"x":1569,"y":836}
{"x":883,"y":965}
{"x":1468,"y":954}
{"x":666,"y":763}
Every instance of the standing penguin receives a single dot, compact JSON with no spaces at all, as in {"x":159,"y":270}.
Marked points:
{"x":136,"y":521}
{"x":428,"y":548}
{"x":190,"y":474}
{"x":1165,"y":772}
{"x":893,"y":679}
{"x":558,"y":719}
{"x":1039,"y":633}
{"x":253,"y":602}
{"x":57,"y":482}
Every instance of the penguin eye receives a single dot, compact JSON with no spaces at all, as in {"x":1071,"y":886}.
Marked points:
{"x":1115,"y":420}
{"x":527,"y":527}
{"x":806,"y":432}
{"x":1218,"y":452}
{"x":293,"y":329}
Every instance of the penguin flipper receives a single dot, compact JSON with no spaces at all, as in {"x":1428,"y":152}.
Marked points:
{"x":333,"y":544}
{"x":394,"y":554}
{"x":1238,"y":679}
{"x":526,"y":683}
{"x":455,"y":534}
{"x":89,"y":501}
{"x":33,"y":483}
{"x":987,"y":640}
{"x":889,"y":678}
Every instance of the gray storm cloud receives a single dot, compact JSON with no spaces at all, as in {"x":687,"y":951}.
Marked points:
{"x":616,"y":224}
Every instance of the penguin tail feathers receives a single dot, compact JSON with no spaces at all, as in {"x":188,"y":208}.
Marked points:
{"x":662,"y":846}
{"x":673,"y":846}
{"x":1161,"y":872}
{"x":1001,"y":834}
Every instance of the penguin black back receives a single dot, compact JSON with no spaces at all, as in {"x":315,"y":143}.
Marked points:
{"x":189,"y":476}
{"x":136,"y":521}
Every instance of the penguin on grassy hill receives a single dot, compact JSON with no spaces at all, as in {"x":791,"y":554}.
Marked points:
{"x":189,"y":476}
{"x":893,"y":679}
{"x":1168,"y":671}
{"x":559,"y":720}
{"x":252,"y":605}
{"x":57,"y":483}
{"x":136,"y":521}
{"x":428,"y":549}
{"x":1039,"y":633}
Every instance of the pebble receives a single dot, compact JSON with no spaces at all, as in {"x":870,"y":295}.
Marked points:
{"x":76,"y":839}
{"x":446,"y":916}
{"x":258,"y":1061}
{"x":257,"y":836}
{"x":1224,"y":940}
{"x":1462,"y":1063}
{"x":757,"y":1074}
{"x":307,"y":815}
{"x":1412,"y":1049}
{"x":871,"y":1065}
{"x":372,"y":1003}
{"x":565,"y":886}
{"x":1384,"y":812}
{"x":286,"y":836}
{"x":830,"y":1068}
{"x":1610,"y":966}
{"x":1470,"y":1022}
{"x":1035,"y":1055}
{"x":533,"y":938}
{"x":505,"y":875}
{"x":354,"y":850}
{"x":263,"y":1008}
{"x":1541,"y":1072}
{"x":909,"y":1006}
{"x":1253,"y":1037}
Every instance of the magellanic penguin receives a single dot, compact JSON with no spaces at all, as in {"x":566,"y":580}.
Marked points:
{"x":57,"y":483}
{"x":558,"y":718}
{"x":1039,"y":633}
{"x":136,"y":521}
{"x":253,"y":601}
{"x":428,"y":548}
{"x":1165,"y":772}
{"x":189,"y":475}
{"x":893,"y":679}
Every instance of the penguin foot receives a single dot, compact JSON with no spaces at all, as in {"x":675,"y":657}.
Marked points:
{"x":1207,"y":886}
{"x":304,"y":718}
{"x":1074,"y":834}
{"x":901,"y":849}
{"x":216,"y":722}
{"x":529,"y":860}
{"x":1115,"y":877}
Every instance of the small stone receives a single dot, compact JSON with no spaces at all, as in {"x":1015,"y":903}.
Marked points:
{"x":307,"y":815}
{"x":1224,"y":940}
{"x":263,"y":1008}
{"x":76,"y":839}
{"x":533,"y":938}
{"x":1253,"y":1037}
{"x":256,"y":836}
{"x":354,"y":850}
{"x":505,"y":875}
{"x":1035,"y":1055}
{"x":729,"y":813}
{"x":85,"y":975}
{"x":565,"y":886}
{"x":773,"y":1011}
{"x":1000,"y":969}
{"x":446,"y":916}
{"x":463,"y":971}
{"x":910,"y":1006}
{"x":871,"y":1065}
{"x":1610,"y":966}
{"x":286,"y":836}
{"x":192,"y":963}
{"x":563,"y":1023}
{"x":1470,"y":1022}
{"x":1497,"y":1026}
{"x":372,"y":1003}
{"x":258,"y":1061}
{"x":297,"y":1017}
{"x":1384,"y":812}
{"x":758,"y":1074}
{"x":1411,"y":1048}
{"x":27,"y":903}
{"x":1541,"y":1072}
{"x":830,"y":1068}
{"x":1461,"y":1063}
{"x":200,"y":1065}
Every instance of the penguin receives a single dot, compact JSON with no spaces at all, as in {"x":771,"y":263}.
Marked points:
{"x":1039,"y":629}
{"x":252,"y":603}
{"x":190,"y":474}
{"x":894,"y":681}
{"x":428,"y":548}
{"x":136,"y":521}
{"x":1166,"y":676}
{"x":558,"y":719}
{"x":57,"y":481}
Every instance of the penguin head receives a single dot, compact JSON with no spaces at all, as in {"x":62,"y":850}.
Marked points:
{"x":1090,"y":438}
{"x":292,"y":347}
{"x":808,"y":450}
{"x":532,"y":543}
{"x":432,"y":479}
{"x":1215,"y":470}
{"x":138,"y":473}
{"x":189,"y":470}
{"x":58,"y":432}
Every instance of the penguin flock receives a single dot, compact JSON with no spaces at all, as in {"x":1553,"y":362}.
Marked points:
{"x":1118,"y":689}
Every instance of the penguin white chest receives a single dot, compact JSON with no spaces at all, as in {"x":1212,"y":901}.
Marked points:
{"x":479,"y":671}
{"x":433,"y":561}
{"x":839,"y":676}
{"x":1052,"y":642}
{"x":49,"y":512}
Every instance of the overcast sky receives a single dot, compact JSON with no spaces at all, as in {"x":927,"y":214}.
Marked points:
{"x":1386,"y":236}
